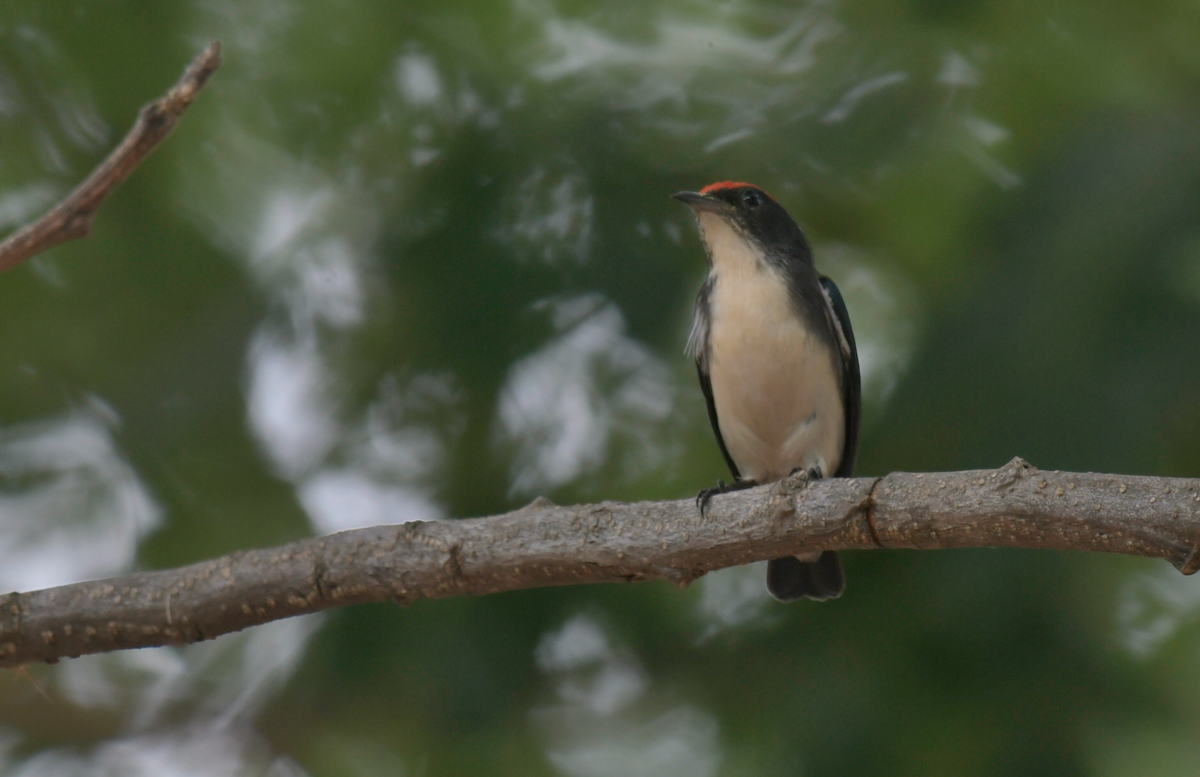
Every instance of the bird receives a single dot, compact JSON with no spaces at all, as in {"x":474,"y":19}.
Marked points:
{"x":777,"y":362}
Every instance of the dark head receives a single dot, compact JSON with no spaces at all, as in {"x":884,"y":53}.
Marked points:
{"x":753,"y":215}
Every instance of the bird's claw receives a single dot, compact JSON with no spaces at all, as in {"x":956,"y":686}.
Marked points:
{"x":722,"y":487}
{"x":707,"y":494}
{"x":810,"y":474}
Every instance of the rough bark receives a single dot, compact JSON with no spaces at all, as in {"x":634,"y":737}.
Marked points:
{"x":542,"y":544}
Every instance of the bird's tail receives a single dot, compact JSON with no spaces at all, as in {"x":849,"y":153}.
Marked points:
{"x":790,"y":578}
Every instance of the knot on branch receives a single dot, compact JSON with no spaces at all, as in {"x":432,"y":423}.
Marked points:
{"x":78,"y":223}
{"x":1013,"y":472}
{"x":1192,"y":564}
{"x":680,"y":578}
{"x":538,"y":505}
{"x":453,"y":565}
{"x":318,"y":579}
{"x":154,"y":116}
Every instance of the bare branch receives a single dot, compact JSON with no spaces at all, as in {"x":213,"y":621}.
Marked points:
{"x":542,"y":544}
{"x":72,"y":218}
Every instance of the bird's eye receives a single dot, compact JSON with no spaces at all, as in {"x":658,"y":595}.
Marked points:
{"x":751,"y":199}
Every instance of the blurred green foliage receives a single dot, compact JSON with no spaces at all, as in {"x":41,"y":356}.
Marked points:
{"x":453,"y":205}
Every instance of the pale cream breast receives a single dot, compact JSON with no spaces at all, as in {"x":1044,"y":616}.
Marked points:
{"x":774,"y":386}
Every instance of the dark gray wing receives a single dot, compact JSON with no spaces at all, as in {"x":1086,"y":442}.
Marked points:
{"x":697,"y":347}
{"x":706,"y":387}
{"x":851,"y":380}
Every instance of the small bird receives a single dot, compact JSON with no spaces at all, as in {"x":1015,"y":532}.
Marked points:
{"x":777,"y":362}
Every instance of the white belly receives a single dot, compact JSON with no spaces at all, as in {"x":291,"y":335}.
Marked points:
{"x":774,"y":386}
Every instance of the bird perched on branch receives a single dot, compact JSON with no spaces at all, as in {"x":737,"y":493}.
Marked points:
{"x":777,"y":362}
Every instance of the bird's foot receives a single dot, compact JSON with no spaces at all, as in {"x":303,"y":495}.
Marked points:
{"x":810,"y":474}
{"x":722,"y":487}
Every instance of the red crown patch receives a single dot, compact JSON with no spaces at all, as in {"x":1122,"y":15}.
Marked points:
{"x":716,"y":187}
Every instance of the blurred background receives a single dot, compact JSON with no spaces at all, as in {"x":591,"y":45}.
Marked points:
{"x":419,"y":260}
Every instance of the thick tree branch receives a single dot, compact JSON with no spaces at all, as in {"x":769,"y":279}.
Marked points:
{"x":72,"y":218}
{"x":1016,"y":506}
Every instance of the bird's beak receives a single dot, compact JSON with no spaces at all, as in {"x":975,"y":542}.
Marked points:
{"x":700,"y":202}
